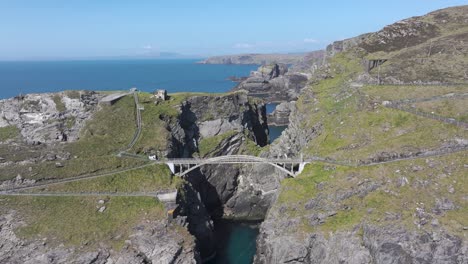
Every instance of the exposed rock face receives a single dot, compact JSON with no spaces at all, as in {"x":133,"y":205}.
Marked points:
{"x":295,"y":136}
{"x":274,"y":83}
{"x":205,"y":116}
{"x":226,"y":187}
{"x":280,"y":116}
{"x":48,"y":118}
{"x":218,"y":190}
{"x":343,"y":45}
{"x":375,"y":245}
{"x":192,"y":211}
{"x":152,"y":243}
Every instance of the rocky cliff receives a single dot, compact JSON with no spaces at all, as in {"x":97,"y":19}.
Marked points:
{"x":411,"y":208}
{"x":152,"y":242}
{"x":49,"y":118}
{"x":274,"y":83}
{"x":212,"y":126}
{"x":280,"y":116}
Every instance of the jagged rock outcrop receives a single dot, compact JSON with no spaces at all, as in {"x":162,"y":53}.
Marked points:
{"x":366,"y":244}
{"x":295,"y":137}
{"x":280,"y":116}
{"x":191,"y":211}
{"x":49,"y":118}
{"x":224,"y":189}
{"x":343,"y":45}
{"x":151,"y":243}
{"x":209,"y":116}
{"x":217,"y":190}
{"x":274,"y":83}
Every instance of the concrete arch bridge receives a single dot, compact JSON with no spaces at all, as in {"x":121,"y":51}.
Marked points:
{"x":181,"y":167}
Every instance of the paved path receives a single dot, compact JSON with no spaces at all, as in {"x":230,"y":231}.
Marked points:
{"x":79,"y":194}
{"x":138,"y":122}
{"x":77,"y":178}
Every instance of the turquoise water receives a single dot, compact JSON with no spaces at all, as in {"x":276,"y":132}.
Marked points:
{"x":236,"y":242}
{"x":275,"y":132}
{"x":270,"y":107}
{"x":146,"y":75}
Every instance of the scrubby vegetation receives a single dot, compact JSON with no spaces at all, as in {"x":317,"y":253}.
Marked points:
{"x":76,"y":221}
{"x":356,"y":126}
{"x":59,"y":105}
{"x":8,"y":132}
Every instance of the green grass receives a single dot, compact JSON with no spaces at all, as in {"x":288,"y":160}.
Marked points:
{"x":110,"y":130}
{"x":451,"y":108}
{"x":249,"y":147}
{"x":391,"y":93}
{"x":71,"y":168}
{"x":75,"y":221}
{"x":59,"y":105}
{"x":355,"y":126}
{"x":304,"y":187}
{"x":154,"y":136}
{"x":207,"y":145}
{"x":148,"y":179}
{"x":70,"y":122}
{"x":73,"y":94}
{"x":8,"y":132}
{"x":358,"y":129}
{"x":424,"y":186}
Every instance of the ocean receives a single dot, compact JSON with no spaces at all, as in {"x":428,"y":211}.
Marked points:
{"x":147,"y":75}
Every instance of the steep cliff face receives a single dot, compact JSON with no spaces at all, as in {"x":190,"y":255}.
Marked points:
{"x":226,"y":125}
{"x":280,"y":116}
{"x":206,"y":121}
{"x":274,"y":83}
{"x":212,"y":126}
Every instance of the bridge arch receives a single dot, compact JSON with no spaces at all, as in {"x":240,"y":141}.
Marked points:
{"x":188,"y":165}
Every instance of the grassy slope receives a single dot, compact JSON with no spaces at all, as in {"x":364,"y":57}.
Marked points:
{"x":8,"y":132}
{"x":75,"y":221}
{"x":442,"y":57}
{"x":431,"y":182}
{"x":356,"y":127}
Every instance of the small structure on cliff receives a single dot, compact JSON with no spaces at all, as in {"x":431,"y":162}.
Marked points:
{"x":112,"y":98}
{"x":160,"y":94}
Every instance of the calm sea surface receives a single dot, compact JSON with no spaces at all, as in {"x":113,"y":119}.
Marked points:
{"x":236,"y":242}
{"x":146,"y":75}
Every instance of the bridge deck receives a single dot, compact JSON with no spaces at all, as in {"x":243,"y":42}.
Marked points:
{"x":228,"y":161}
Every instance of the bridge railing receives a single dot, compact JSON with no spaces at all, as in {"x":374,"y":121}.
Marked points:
{"x":230,"y":159}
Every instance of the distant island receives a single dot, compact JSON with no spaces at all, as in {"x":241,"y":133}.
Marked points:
{"x":257,"y":59}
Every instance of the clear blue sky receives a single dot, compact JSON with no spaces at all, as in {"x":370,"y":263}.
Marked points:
{"x":47,"y":29}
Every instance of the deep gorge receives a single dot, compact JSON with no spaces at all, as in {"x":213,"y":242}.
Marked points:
{"x":224,"y":205}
